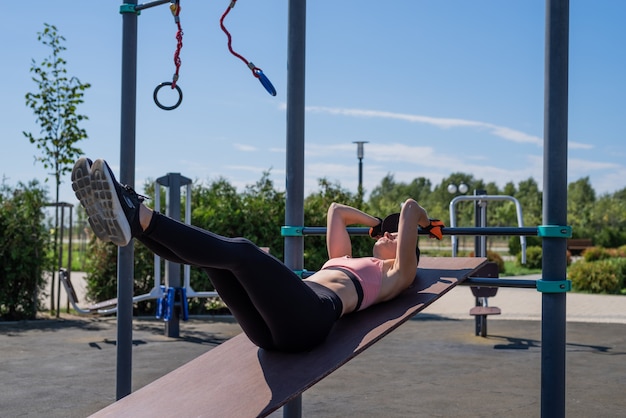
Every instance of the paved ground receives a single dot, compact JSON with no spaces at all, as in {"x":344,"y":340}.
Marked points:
{"x":433,"y":366}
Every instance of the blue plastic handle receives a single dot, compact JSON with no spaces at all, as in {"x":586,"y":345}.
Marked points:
{"x":266,"y":82}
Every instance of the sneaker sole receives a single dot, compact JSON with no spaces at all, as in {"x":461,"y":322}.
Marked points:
{"x":81,"y":184}
{"x":99,"y":197}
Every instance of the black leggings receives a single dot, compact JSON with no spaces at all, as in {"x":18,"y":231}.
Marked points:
{"x":273,"y":306}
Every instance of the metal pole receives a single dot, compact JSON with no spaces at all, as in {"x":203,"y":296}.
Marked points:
{"x":480,"y":221}
{"x":294,"y":205}
{"x":69,"y":253}
{"x":360,"y":176}
{"x":60,"y":226}
{"x":125,"y":275}
{"x":173,"y":182}
{"x":172,"y":270}
{"x":359,"y":155}
{"x":555,"y":206}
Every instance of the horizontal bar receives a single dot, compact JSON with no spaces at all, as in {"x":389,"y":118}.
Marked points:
{"x":495,"y":282}
{"x":497,"y":230}
{"x":151,"y":4}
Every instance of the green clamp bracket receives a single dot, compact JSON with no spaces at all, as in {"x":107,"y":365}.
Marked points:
{"x":300,"y":273}
{"x":129,"y":8}
{"x":554,"y":286}
{"x":554,"y":231}
{"x":291,"y":231}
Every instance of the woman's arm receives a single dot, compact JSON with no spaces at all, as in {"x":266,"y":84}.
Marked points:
{"x":412,"y":216}
{"x":338,"y":218}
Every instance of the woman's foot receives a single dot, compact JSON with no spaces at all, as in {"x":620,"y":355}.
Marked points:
{"x":112,"y":208}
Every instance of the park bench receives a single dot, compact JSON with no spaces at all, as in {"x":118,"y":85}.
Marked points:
{"x":578,"y":245}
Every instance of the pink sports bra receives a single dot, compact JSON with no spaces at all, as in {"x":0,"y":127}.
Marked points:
{"x":368,"y":272}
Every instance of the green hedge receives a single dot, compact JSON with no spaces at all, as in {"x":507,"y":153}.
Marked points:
{"x":534,"y":257}
{"x":601,"y":276}
{"x":23,"y":246}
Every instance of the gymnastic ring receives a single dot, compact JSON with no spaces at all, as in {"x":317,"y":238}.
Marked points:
{"x":156,"y":99}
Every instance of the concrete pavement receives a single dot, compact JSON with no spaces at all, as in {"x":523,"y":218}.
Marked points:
{"x":433,"y":365}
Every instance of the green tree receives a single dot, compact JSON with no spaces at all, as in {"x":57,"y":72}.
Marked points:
{"x":607,"y":226}
{"x":581,"y":199}
{"x":55,"y":107}
{"x":530,"y":198}
{"x":439,"y":203}
{"x":387,"y":198}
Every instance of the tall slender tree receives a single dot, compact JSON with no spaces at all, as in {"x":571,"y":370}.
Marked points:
{"x":55,"y":106}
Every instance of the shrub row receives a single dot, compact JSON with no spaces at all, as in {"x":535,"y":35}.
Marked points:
{"x":23,"y":245}
{"x":601,"y":270}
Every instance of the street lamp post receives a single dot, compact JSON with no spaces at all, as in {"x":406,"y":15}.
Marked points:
{"x":359,"y":155}
{"x":452,"y":189}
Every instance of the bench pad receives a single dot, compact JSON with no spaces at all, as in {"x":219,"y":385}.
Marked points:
{"x":237,"y":379}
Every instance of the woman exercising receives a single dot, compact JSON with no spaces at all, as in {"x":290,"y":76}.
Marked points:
{"x":273,"y":306}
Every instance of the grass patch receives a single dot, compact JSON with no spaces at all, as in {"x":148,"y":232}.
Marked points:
{"x":511,"y":268}
{"x":79,"y":256}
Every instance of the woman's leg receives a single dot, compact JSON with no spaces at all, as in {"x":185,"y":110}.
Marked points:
{"x":231,"y":292}
{"x":270,"y":302}
{"x":258,"y":287}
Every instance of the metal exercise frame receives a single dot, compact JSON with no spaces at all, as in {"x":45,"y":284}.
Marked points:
{"x":554,"y":186}
{"x":59,"y":240}
{"x":480,"y":200}
{"x":173,"y":182}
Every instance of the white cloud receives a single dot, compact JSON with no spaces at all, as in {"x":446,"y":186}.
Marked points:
{"x":578,"y":145}
{"x":503,"y":132}
{"x":576,"y":164}
{"x":244,"y":147}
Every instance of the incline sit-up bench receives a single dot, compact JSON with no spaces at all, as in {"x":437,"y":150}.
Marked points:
{"x":237,"y":379}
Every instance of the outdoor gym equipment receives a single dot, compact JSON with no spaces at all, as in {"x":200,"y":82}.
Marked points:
{"x":554,"y":196}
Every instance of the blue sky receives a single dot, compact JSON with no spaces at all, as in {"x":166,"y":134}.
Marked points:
{"x":435,"y":87}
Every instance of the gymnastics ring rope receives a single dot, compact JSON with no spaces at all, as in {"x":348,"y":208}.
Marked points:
{"x":256,"y":71}
{"x":175,"y":9}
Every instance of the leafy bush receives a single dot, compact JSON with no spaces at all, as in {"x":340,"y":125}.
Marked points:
{"x":101,"y":271}
{"x":494,"y":257}
{"x":603,"y":276}
{"x":596,"y":254}
{"x":515,"y":247}
{"x":534,"y":256}
{"x":609,"y":237}
{"x":23,"y":246}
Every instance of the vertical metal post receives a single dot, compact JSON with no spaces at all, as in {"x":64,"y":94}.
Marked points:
{"x":554,"y":206}
{"x":173,"y":182}
{"x":61,"y":227}
{"x":125,"y":276}
{"x":69,"y":252}
{"x":294,"y":205}
{"x":360,"y":175}
{"x":480,"y":220}
{"x":480,"y":245}
{"x":359,"y":155}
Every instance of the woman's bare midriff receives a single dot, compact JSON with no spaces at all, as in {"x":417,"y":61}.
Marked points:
{"x":339,"y":283}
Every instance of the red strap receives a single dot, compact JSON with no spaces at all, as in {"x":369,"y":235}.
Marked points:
{"x":230,"y":40}
{"x":175,"y":8}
